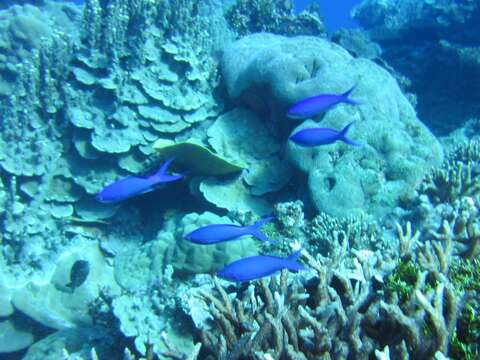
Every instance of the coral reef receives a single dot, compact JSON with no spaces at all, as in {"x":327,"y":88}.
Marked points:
{"x":82,"y":110}
{"x":325,"y":232}
{"x":441,"y":60}
{"x":242,"y":137}
{"x":86,"y":100}
{"x":277,"y":17}
{"x":25,"y":29}
{"x":338,"y":311}
{"x":398,"y":149}
{"x":457,"y":177}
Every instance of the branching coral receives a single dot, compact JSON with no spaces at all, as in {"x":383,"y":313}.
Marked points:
{"x":457,"y":177}
{"x":343,"y":308}
{"x":325,"y":232}
{"x":285,"y":317}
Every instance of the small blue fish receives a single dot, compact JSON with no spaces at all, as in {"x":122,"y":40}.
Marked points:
{"x":132,"y":185}
{"x":256,"y":267}
{"x":215,"y":233}
{"x":322,"y":136}
{"x":315,"y":105}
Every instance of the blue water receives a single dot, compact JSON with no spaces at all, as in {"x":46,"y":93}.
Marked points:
{"x":336,"y":13}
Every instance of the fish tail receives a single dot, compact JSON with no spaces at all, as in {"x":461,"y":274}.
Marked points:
{"x":262,"y":237}
{"x":346,"y":95}
{"x":161,"y":175}
{"x":295,"y":256}
{"x":343,"y":136}
{"x":293,"y":265}
{"x":265,"y":220}
{"x":255,"y":230}
{"x":163,"y":169}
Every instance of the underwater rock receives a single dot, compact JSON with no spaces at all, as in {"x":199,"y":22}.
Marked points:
{"x":58,"y":189}
{"x":51,"y":301}
{"x":6,"y":307}
{"x":398,"y":149}
{"x":148,"y":313}
{"x":74,"y":342}
{"x":3,"y":196}
{"x":13,"y":337}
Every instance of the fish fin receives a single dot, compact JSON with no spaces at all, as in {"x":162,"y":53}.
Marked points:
{"x":346,"y":95}
{"x":293,"y":265}
{"x":265,"y":220}
{"x":261,"y":236}
{"x":343,"y":136}
{"x":161,"y":175}
{"x":169,"y":178}
{"x":150,"y":189}
{"x":254,"y":230}
{"x":70,"y":287}
{"x":295,"y":256}
{"x":163,"y":169}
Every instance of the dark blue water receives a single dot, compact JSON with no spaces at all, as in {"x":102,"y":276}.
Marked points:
{"x":336,"y":13}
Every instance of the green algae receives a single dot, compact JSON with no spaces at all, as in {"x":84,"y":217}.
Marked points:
{"x":402,"y":280}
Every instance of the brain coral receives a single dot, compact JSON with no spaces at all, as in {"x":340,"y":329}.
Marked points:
{"x":342,"y":180}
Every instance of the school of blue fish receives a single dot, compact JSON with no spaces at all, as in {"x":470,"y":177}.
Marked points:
{"x":253,"y":267}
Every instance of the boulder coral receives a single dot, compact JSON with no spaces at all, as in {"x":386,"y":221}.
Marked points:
{"x":398,"y":149}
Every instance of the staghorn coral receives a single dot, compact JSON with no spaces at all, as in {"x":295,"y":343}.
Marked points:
{"x":325,"y":232}
{"x":348,"y":306}
{"x":457,"y":177}
{"x":285,"y":317}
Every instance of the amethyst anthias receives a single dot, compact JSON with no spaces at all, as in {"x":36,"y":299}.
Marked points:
{"x":215,"y":233}
{"x":256,"y":267}
{"x":315,"y":105}
{"x":322,"y":136}
{"x":132,"y":186}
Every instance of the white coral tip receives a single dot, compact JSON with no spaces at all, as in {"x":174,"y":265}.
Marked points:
{"x":296,"y":245}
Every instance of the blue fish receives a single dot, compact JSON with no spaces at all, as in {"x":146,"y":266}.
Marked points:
{"x":256,"y":267}
{"x":215,"y":233}
{"x":132,"y":185}
{"x":322,"y":136}
{"x":315,"y":105}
